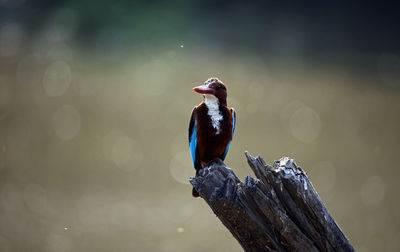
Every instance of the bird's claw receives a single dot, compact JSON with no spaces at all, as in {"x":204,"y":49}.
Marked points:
{"x":217,"y":160}
{"x":203,"y":164}
{"x":214,"y":160}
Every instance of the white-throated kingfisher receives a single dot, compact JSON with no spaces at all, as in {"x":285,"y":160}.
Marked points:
{"x":211,"y":126}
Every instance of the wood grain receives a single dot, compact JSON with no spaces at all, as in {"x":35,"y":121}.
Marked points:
{"x":279,"y":210}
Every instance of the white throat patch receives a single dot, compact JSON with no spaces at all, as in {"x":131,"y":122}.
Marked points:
{"x":213,"y":111}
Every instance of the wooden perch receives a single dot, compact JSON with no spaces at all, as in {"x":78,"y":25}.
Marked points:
{"x":278,"y":211}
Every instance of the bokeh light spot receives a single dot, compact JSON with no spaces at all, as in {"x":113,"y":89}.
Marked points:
{"x":148,"y":83}
{"x":256,"y":91}
{"x":35,"y":198}
{"x":66,"y":122}
{"x":125,"y":152}
{"x":57,"y":78}
{"x":179,"y":143}
{"x":373,"y":191}
{"x":11,"y":198}
{"x":180,"y":167}
{"x":305,"y":124}
{"x":288,"y":111}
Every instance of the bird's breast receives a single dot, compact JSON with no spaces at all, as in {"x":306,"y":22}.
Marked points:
{"x":212,"y":142}
{"x":214,"y":112}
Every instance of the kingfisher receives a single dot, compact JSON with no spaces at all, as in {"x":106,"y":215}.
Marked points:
{"x":211,"y":126}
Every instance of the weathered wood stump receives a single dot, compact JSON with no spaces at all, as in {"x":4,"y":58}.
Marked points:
{"x":278,"y":211}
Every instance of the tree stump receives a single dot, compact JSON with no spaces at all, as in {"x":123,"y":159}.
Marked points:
{"x":278,"y":211}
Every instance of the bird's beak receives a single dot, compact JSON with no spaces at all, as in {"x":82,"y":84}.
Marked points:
{"x":203,"y":89}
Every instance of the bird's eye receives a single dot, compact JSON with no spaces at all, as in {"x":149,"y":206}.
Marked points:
{"x":218,"y":87}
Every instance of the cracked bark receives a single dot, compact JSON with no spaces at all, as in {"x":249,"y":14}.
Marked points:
{"x":278,"y":211}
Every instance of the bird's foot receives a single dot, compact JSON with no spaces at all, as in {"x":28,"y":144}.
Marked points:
{"x":214,"y":160}
{"x":203,"y":164}
{"x":195,"y":193}
{"x":217,"y":160}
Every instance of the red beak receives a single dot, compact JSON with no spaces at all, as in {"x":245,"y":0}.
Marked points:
{"x":203,"y":89}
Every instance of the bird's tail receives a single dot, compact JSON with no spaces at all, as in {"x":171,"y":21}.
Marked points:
{"x":195,"y":193}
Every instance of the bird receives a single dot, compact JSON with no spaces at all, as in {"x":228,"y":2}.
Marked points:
{"x":211,"y":126}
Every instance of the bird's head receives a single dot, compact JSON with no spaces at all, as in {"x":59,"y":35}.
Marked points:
{"x":214,"y":88}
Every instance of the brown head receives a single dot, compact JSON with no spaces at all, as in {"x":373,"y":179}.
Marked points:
{"x":214,"y":87}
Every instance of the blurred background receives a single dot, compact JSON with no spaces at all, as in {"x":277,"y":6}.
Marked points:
{"x":95,"y":100}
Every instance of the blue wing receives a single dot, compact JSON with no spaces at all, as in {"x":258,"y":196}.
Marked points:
{"x":233,"y":130}
{"x":193,"y":137}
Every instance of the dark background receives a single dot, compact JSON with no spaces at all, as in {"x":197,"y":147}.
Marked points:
{"x":319,"y":30}
{"x":95,"y":99}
